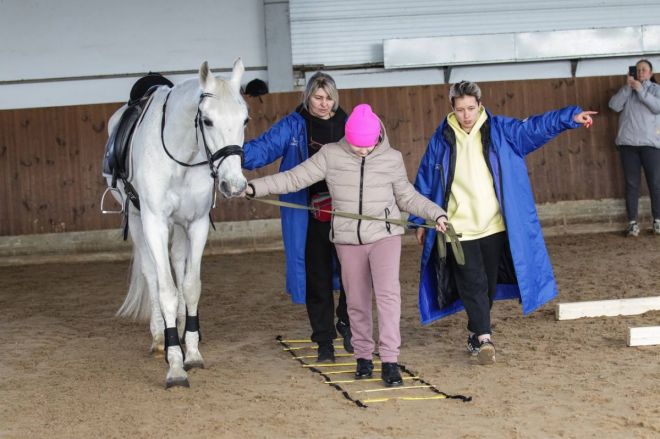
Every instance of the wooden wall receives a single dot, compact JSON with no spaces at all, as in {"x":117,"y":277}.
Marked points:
{"x":50,"y":158}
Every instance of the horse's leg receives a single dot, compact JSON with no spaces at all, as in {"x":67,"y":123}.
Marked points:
{"x":192,"y":286}
{"x":179,"y":250}
{"x":156,"y":233}
{"x":148,"y":271}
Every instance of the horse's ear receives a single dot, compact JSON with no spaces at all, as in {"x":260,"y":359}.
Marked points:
{"x":206,"y":78}
{"x":237,"y":74}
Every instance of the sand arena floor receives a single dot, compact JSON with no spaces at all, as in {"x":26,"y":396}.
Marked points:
{"x":70,"y":369}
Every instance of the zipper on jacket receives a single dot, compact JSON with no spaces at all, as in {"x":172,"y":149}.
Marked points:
{"x":332,"y":226}
{"x":387,"y":224}
{"x":360,"y":199}
{"x":499,"y":165}
{"x":487,"y":145}
{"x":450,"y":138}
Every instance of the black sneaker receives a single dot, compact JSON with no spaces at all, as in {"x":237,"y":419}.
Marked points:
{"x":390,"y":374}
{"x":364,"y":369}
{"x":486,"y":354}
{"x":345,"y":332}
{"x":326,"y":353}
{"x":473,"y":344}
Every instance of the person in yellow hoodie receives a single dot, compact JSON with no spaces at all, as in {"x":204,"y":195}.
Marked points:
{"x":474,"y":167}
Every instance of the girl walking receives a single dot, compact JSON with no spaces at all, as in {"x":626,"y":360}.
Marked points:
{"x":365,"y":176}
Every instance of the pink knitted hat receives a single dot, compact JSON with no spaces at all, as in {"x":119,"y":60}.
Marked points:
{"x":362,"y":127}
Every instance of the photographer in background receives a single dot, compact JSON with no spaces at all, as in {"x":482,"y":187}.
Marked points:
{"x":638,"y":140}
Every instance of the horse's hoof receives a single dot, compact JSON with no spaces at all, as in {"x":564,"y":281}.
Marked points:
{"x":174,"y":382}
{"x":193,"y":364}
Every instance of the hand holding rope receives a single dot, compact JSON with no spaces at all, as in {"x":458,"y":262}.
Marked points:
{"x":441,"y":239}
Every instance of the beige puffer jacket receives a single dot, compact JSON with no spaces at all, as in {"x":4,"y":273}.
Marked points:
{"x":376,"y":185}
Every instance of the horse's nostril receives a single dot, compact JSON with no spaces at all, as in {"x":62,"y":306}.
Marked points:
{"x":225,"y":187}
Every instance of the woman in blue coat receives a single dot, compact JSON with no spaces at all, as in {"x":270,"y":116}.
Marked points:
{"x":474,"y":167}
{"x":310,"y":256}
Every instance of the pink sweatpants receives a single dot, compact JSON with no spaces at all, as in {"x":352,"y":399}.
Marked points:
{"x":363,"y":268}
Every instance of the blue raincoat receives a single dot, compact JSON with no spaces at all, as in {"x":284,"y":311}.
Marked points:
{"x":510,"y":141}
{"x":287,"y":139}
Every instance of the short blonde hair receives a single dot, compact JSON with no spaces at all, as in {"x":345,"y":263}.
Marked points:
{"x":324,"y":81}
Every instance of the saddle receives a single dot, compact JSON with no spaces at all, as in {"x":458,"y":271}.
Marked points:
{"x":115,"y":159}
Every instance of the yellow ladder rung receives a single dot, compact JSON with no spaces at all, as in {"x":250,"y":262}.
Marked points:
{"x":387,"y":389}
{"x":367,"y":380}
{"x":314,"y":356}
{"x":333,"y":372}
{"x":314,"y":347}
{"x":333,"y":364}
{"x":295,"y":341}
{"x":403,"y":398}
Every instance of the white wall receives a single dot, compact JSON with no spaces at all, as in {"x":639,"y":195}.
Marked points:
{"x":89,"y":51}
{"x":348,"y":34}
{"x":70,"y":52}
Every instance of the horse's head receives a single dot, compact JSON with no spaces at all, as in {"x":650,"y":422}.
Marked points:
{"x":222,"y":117}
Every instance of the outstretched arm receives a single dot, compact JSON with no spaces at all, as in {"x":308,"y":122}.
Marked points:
{"x":305,"y":174}
{"x":585,"y":118}
{"x":268,"y":147}
{"x":535,"y":131}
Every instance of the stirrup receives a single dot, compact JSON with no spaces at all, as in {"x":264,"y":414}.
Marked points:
{"x":112,"y":189}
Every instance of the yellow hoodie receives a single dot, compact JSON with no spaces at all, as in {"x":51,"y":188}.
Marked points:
{"x":473,"y":208}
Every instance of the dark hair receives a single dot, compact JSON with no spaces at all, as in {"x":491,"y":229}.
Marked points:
{"x":644,"y":60}
{"x":647,"y":62}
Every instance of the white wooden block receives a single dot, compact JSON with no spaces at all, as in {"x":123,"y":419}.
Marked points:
{"x":599,"y":308}
{"x":644,"y":336}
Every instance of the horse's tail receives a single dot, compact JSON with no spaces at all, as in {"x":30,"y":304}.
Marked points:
{"x":137,"y":305}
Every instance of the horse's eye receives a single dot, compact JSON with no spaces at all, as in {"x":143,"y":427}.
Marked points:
{"x":208,"y":122}
{"x":245,"y":122}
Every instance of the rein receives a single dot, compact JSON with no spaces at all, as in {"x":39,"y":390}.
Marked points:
{"x":221,"y":154}
{"x":441,"y":240}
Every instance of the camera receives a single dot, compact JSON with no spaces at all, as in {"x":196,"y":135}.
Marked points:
{"x":632,"y":71}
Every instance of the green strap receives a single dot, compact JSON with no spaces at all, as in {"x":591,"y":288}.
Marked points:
{"x":440,"y":237}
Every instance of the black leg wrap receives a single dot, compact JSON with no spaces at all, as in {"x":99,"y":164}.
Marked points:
{"x":171,"y":339}
{"x":192,"y":325}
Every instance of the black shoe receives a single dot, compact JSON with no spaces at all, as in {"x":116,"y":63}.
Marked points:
{"x":390,"y":374}
{"x":473,"y":344}
{"x":326,"y":353}
{"x":365,"y":369}
{"x":345,"y":331}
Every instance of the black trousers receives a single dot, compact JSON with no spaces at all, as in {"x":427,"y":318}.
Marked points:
{"x":476,"y":281}
{"x":633,"y":159}
{"x":320,"y":256}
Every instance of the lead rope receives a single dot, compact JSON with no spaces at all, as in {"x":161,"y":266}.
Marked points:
{"x":440,"y":237}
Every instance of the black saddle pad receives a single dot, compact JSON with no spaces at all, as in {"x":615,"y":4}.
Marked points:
{"x":144,"y":84}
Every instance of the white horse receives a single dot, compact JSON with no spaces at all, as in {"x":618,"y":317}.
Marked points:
{"x":197,"y":121}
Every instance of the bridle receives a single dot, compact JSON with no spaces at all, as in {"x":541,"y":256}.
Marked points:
{"x":220,"y":155}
